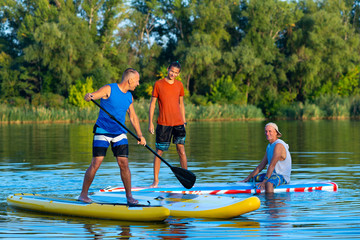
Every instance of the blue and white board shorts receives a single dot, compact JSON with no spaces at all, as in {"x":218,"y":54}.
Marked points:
{"x":275,"y":179}
{"x":102,"y":141}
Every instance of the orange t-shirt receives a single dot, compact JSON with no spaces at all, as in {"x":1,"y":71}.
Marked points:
{"x":168,"y":96}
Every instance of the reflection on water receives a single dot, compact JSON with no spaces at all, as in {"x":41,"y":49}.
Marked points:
{"x":51,"y":159}
{"x":277,"y":209}
{"x":275,"y":205}
{"x":98,"y":233}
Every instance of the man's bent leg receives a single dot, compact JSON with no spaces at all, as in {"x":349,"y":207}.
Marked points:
{"x":269,"y":187}
{"x":274,"y":181}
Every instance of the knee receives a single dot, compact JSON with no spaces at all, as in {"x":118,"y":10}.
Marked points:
{"x":123,"y":162}
{"x":269,"y":187}
{"x":160,"y":152}
{"x":96,"y":162}
{"x":181,"y":150}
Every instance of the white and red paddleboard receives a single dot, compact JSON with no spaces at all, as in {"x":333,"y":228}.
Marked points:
{"x":235,"y":188}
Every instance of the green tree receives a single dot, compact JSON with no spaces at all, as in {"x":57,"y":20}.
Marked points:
{"x":321,"y":49}
{"x":258,"y":33}
{"x":78,"y":91}
{"x":349,"y":84}
{"x":139,"y":33}
{"x":201,"y":50}
{"x":64,"y":47}
{"x":55,"y":43}
{"x":223,"y":90}
{"x":105,"y":20}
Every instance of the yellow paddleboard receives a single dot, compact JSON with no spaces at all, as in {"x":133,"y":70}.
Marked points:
{"x":73,"y":207}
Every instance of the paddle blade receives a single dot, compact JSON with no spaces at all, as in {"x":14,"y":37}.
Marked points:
{"x":185,"y":177}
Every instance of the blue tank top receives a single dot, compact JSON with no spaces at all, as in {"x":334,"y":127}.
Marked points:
{"x":117,"y":105}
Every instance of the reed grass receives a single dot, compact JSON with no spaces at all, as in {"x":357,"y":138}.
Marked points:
{"x":28,"y":113}
{"x":355,"y":107}
{"x":209,"y":112}
{"x":324,"y":107}
{"x":222,"y":112}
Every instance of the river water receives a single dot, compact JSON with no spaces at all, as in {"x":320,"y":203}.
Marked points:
{"x":51,"y":159}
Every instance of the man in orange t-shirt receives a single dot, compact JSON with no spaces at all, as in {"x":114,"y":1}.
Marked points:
{"x":171,"y":121}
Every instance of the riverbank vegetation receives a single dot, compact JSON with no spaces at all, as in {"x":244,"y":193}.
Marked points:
{"x":250,"y":59}
{"x":323,"y":108}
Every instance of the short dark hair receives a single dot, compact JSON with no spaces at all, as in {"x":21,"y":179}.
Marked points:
{"x":128,"y":72}
{"x":175,"y":64}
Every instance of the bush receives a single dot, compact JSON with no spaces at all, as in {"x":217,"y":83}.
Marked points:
{"x":78,"y":91}
{"x":225,"y":91}
{"x":49,"y":100}
{"x":17,"y":101}
{"x":334,"y":106}
{"x":222,"y":112}
{"x":144,"y":90}
{"x":293,"y":111}
{"x":355,"y":106}
{"x":199,"y":100}
{"x":312,"y":111}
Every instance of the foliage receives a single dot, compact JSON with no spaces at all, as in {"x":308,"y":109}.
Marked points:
{"x":199,"y":100}
{"x":223,"y":90}
{"x":222,"y":112}
{"x":48,"y":100}
{"x":355,"y":106}
{"x":78,"y":91}
{"x":323,"y":107}
{"x":144,"y":90}
{"x":276,"y":53}
{"x":349,"y":84}
{"x":333,"y":106}
{"x":43,"y":114}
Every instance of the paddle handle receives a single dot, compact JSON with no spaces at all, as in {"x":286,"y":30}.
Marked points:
{"x":133,"y":134}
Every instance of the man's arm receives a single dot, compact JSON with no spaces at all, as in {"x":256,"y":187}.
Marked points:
{"x":135,"y":123}
{"x":151,"y":114}
{"x":182,"y":108}
{"x":103,"y":92}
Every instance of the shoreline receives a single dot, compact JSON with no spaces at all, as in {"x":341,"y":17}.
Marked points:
{"x":194,"y":120}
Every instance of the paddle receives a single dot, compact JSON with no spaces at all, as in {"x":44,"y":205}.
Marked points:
{"x":185,"y":177}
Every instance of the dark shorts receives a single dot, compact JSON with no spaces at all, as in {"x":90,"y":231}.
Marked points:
{"x":165,"y":133}
{"x":102,"y":141}
{"x":275,"y":179}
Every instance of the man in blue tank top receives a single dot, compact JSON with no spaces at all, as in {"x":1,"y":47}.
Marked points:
{"x":277,"y":158}
{"x":117,"y":99}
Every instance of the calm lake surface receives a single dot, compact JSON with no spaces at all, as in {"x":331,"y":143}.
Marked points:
{"x":51,"y":159}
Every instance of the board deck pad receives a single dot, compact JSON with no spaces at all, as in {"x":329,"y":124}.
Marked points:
{"x":188,"y":205}
{"x":235,"y":188}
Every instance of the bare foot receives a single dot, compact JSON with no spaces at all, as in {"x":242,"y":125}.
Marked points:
{"x":85,"y":199}
{"x":154,"y":184}
{"x":131,"y":201}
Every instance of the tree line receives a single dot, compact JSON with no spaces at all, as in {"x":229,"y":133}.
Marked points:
{"x":267,"y":53}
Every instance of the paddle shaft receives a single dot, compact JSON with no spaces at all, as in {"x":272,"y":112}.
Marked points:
{"x":133,"y":134}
